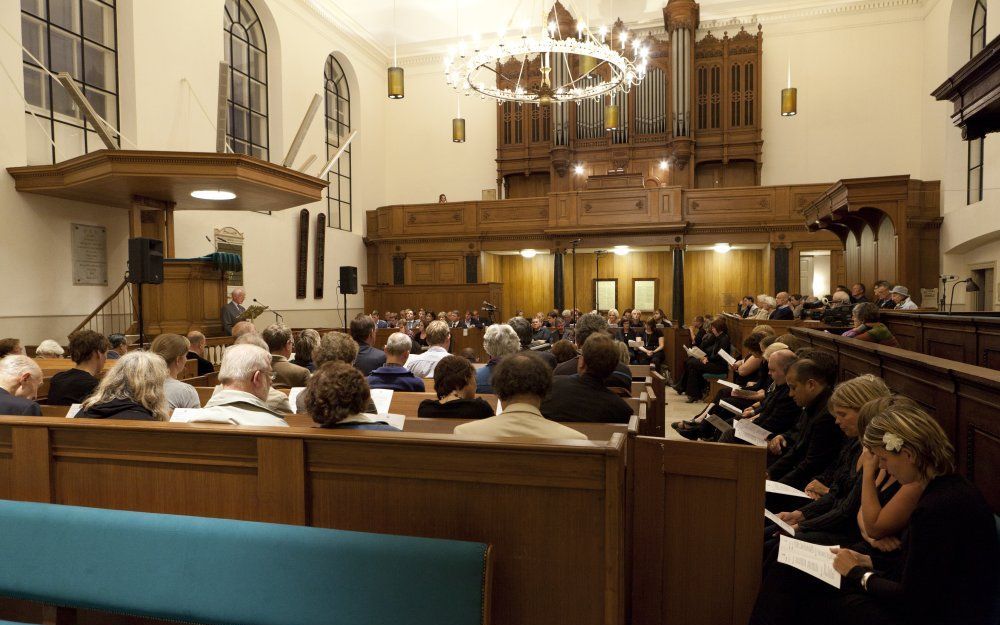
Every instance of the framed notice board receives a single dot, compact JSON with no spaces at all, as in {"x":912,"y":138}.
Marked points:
{"x":645,"y":293}
{"x":605,"y":294}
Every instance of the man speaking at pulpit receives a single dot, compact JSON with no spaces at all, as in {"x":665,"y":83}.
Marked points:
{"x":232,"y":310}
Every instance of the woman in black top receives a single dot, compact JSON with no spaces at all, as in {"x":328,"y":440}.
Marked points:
{"x":628,"y":333}
{"x":455,"y":385}
{"x":651,"y":352}
{"x":947,"y":571}
{"x":711,"y":362}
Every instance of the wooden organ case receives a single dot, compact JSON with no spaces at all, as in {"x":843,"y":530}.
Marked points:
{"x":697,"y":111}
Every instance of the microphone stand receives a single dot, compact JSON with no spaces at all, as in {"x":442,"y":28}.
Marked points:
{"x":278,"y":318}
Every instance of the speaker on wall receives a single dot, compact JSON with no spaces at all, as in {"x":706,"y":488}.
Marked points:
{"x":349,"y":280}
{"x":145,"y":261}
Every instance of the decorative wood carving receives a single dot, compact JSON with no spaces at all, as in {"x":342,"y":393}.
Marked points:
{"x":319,"y":266}
{"x":974,"y":90}
{"x":301,"y":266}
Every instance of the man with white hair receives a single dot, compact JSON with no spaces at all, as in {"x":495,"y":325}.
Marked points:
{"x":499,"y":340}
{"x":20,"y":378}
{"x":393,"y":375}
{"x":245,"y":375}
{"x":438,"y":341}
{"x":232,"y":310}
{"x":49,"y":349}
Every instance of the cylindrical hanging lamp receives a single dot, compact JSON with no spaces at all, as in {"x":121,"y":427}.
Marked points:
{"x":458,"y":124}
{"x":395,"y":83}
{"x":394,"y":78}
{"x":611,"y":116}
{"x":587,"y":64}
{"x":789,"y":96}
{"x":789,"y":101}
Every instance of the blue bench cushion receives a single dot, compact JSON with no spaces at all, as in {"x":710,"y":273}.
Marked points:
{"x":715,"y":376}
{"x":219,"y":571}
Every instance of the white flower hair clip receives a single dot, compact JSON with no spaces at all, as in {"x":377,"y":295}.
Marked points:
{"x":893,"y":442}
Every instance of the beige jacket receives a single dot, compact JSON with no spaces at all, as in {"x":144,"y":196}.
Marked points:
{"x":288,"y":374}
{"x":235,"y":407}
{"x":523,"y":420}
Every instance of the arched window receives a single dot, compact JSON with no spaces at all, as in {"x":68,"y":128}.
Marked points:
{"x":975,"y":162}
{"x":79,"y":37}
{"x":246,"y":54}
{"x":338,"y":129}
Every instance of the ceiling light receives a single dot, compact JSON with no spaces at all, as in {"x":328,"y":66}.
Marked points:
{"x":528,"y":253}
{"x":213,"y":194}
{"x":721,"y":248}
{"x":578,"y":170}
{"x":621,"y":250}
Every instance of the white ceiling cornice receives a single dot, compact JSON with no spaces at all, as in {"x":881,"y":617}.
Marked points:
{"x":344,"y":24}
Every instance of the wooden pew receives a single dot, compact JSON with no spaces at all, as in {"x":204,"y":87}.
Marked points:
{"x":972,"y":338}
{"x":639,"y":371}
{"x":695,"y":510}
{"x":205,"y":393}
{"x":55,"y":411}
{"x":638,"y":387}
{"x":553,"y":510}
{"x":965,"y":399}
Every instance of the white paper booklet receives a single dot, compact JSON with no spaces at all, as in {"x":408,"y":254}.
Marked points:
{"x":729,"y":384}
{"x":719,"y":424}
{"x":725,"y":356}
{"x":816,"y":560}
{"x":383,"y":399}
{"x":73,"y":411}
{"x":695,"y":351}
{"x":731,"y":408}
{"x":752,"y":433}
{"x":293,"y":396}
{"x":636,"y":343}
{"x":184,"y":415}
{"x":778,"y":488}
{"x":395,"y":420}
{"x":788,"y":529}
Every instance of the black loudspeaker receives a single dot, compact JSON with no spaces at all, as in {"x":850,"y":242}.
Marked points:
{"x":349,"y":280}
{"x":145,"y":261}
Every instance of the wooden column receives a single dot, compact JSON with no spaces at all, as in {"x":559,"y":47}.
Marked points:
{"x":677,"y":307}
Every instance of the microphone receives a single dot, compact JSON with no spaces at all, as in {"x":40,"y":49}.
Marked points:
{"x":277,"y":316}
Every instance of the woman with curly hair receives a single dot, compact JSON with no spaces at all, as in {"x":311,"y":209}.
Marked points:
{"x":336,"y":396}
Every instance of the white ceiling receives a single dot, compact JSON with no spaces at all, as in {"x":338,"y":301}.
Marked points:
{"x":421,"y":22}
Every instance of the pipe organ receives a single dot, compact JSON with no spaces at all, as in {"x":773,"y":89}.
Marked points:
{"x":697,"y":111}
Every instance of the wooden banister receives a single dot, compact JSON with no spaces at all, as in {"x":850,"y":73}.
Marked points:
{"x":98,"y":310}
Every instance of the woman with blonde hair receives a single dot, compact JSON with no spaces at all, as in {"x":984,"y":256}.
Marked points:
{"x":613,"y":317}
{"x":173,"y":349}
{"x":947,"y":572}
{"x":132,"y":389}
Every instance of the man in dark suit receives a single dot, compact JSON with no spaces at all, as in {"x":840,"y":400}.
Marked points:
{"x":583,"y":396}
{"x":369,"y":358}
{"x":815,"y":441}
{"x":20,"y":378}
{"x":783,"y":311}
{"x":232,"y":310}
{"x":591,"y":323}
{"x":197,"y":352}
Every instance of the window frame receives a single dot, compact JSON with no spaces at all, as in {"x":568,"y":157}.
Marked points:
{"x":250,"y":139}
{"x":47,"y":112}
{"x":332,"y":84}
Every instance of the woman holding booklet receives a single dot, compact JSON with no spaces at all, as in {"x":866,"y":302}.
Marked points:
{"x":947,"y":570}
{"x":706,"y":360}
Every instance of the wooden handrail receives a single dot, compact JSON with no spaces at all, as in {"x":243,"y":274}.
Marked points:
{"x":97,"y":310}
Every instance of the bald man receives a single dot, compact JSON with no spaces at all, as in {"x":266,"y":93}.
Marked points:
{"x":783,"y":310}
{"x":232,"y":310}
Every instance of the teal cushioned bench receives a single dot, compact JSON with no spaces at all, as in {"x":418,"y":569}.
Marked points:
{"x":218,"y":571}
{"x":715,"y":376}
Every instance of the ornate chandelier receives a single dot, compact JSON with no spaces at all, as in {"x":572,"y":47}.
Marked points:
{"x":590,"y":65}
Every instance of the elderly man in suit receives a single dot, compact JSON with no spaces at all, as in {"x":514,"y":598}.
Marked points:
{"x":232,"y":310}
{"x":20,"y":378}
{"x":363,"y":332}
{"x":279,"y":342}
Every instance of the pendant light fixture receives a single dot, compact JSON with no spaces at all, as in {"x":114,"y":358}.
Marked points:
{"x":789,"y":96}
{"x":395,"y":78}
{"x":458,"y":124}
{"x":611,"y":115}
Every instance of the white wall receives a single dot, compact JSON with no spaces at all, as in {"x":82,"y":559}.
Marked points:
{"x":168,"y":53}
{"x":421,"y":161}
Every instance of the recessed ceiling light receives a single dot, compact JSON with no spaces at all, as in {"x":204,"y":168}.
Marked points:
{"x":213,"y":194}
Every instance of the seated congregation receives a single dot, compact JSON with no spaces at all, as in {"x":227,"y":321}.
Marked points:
{"x":851,"y":466}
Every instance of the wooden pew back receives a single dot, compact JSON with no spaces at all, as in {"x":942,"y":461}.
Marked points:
{"x":964,"y":399}
{"x":553,"y":510}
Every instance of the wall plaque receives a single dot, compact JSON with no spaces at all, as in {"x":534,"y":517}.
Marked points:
{"x":301,"y":265}
{"x":644,"y":294}
{"x":90,"y":254}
